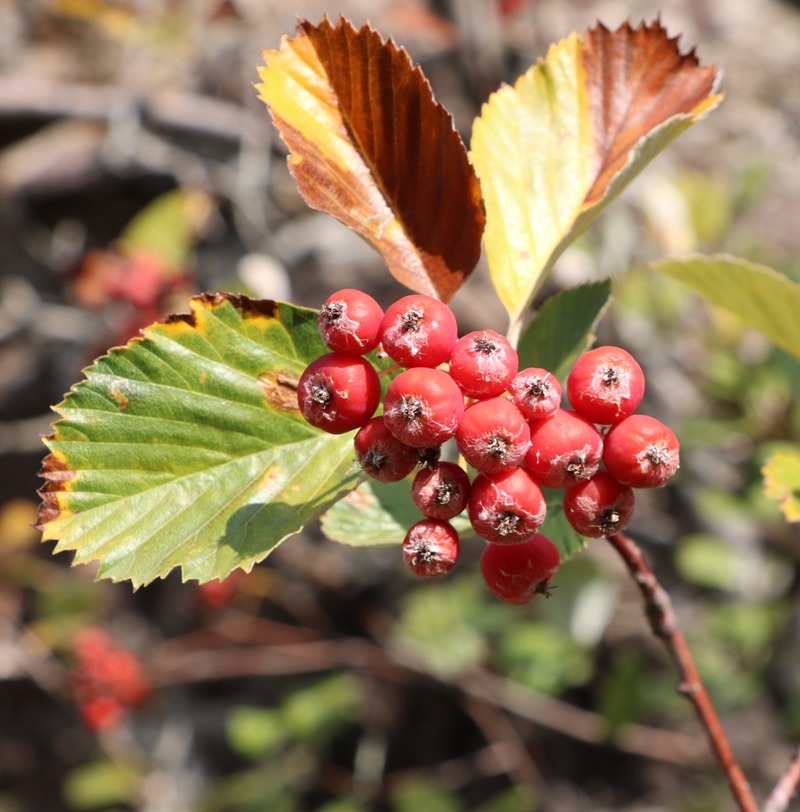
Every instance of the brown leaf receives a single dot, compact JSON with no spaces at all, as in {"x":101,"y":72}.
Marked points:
{"x":636,"y":78}
{"x":370,"y":146}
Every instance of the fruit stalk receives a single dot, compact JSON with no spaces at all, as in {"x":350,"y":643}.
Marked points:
{"x":786,"y":788}
{"x":664,"y":624}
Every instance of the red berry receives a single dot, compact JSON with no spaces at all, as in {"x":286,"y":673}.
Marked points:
{"x":605,"y":385}
{"x":101,"y":713}
{"x":565,"y":448}
{"x":493,"y":436}
{"x":506,"y":508}
{"x":381,"y":455}
{"x":483,"y":363}
{"x":338,"y":393}
{"x":423,"y":407}
{"x":349,"y":322}
{"x":535,"y":392}
{"x":431,"y":547}
{"x":441,"y":492}
{"x":418,"y":331}
{"x":517,"y":573}
{"x":600,"y":506}
{"x":642,"y":452}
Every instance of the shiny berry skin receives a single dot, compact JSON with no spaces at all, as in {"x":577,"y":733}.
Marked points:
{"x":418,"y":331}
{"x":338,"y":393}
{"x":565,"y":448}
{"x":605,"y":385}
{"x":483,"y":363}
{"x":430,"y":548}
{"x":423,"y":407}
{"x":441,"y":492}
{"x":535,"y":392}
{"x":506,"y":508}
{"x":381,"y":455}
{"x":517,"y":573}
{"x":600,"y":506}
{"x":641,"y":451}
{"x":493,"y":436}
{"x":349,"y":322}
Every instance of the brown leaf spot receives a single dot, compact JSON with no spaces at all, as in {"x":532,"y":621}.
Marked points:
{"x":279,"y":389}
{"x":57,"y":475}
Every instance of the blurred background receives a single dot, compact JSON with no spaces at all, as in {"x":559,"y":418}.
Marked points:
{"x":137,"y":167}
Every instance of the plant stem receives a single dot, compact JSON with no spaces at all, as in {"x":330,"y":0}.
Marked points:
{"x":664,"y":624}
{"x":786,"y":788}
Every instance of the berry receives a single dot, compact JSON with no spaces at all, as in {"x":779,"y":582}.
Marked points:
{"x":441,"y":492}
{"x":535,"y":392}
{"x":423,"y":407}
{"x":519,"y":572}
{"x":642,"y":452}
{"x":418,"y":331}
{"x":338,"y":393}
{"x":565,"y":448}
{"x":430,"y":548}
{"x":483,"y":363}
{"x":381,"y":455}
{"x":349,"y":322}
{"x":600,"y":506}
{"x":506,"y":508}
{"x":493,"y":436}
{"x":605,"y":385}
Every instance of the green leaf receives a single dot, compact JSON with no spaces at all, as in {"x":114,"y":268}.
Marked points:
{"x":185,"y":447}
{"x":99,"y":784}
{"x":559,"y":530}
{"x":256,"y":732}
{"x":564,"y":328}
{"x":782,"y":482}
{"x":762,"y":297}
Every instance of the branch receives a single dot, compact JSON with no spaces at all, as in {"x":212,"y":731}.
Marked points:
{"x":786,"y":788}
{"x":664,"y":624}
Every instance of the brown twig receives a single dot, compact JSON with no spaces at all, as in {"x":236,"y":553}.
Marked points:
{"x":786,"y":788}
{"x":664,"y":624}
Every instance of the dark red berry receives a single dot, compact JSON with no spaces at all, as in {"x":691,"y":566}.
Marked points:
{"x":600,"y":506}
{"x":431,"y":547}
{"x":605,"y":385}
{"x":506,"y":508}
{"x":483,"y":363}
{"x":338,"y":393}
{"x":441,"y":492}
{"x":517,"y":573}
{"x":381,"y":455}
{"x":418,"y":331}
{"x":641,"y":451}
{"x":349,"y":322}
{"x":423,"y":407}
{"x":535,"y":392}
{"x":565,"y":448}
{"x":493,"y":436}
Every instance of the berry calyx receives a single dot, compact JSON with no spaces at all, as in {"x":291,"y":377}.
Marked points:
{"x":506,"y":508}
{"x":483,"y":363}
{"x":600,"y":506}
{"x":565,"y":448}
{"x":605,"y":385}
{"x":349,"y":321}
{"x":338,"y":393}
{"x":431,"y":548}
{"x":418,"y":331}
{"x":641,"y":451}
{"x":493,"y":436}
{"x":518,"y":573}
{"x":535,"y":392}
{"x":423,"y":407}
{"x":441,"y":492}
{"x":381,"y":455}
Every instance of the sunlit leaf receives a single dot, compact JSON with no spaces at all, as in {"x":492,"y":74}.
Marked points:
{"x":760,"y":296}
{"x":553,"y":150}
{"x":782,"y":482}
{"x":185,"y":447}
{"x":369,"y":145}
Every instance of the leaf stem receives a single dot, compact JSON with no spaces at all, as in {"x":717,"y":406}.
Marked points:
{"x":786,"y":788}
{"x":664,"y":624}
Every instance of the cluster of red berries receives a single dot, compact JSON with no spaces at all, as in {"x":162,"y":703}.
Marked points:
{"x":508,"y":425}
{"x":107,"y":680}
